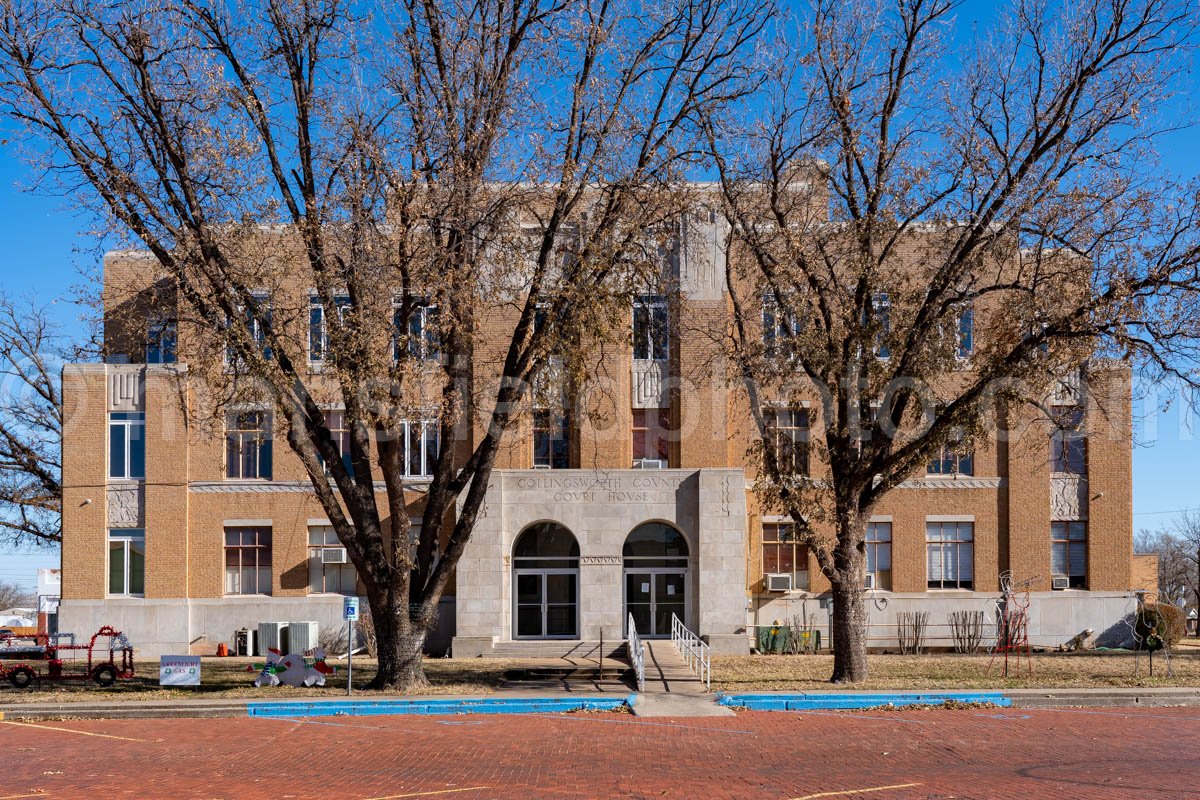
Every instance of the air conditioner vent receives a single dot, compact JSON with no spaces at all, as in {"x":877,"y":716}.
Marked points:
{"x":1060,"y":582}
{"x":869,"y":582}
{"x":778,"y":581}
{"x":333,"y":555}
{"x":649,"y":463}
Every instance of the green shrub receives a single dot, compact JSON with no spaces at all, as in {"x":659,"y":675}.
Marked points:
{"x":1158,"y":624}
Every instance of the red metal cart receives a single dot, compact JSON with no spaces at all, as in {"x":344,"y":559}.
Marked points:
{"x":25,"y":659}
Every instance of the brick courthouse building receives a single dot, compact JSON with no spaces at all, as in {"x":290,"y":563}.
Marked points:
{"x":181,"y":533}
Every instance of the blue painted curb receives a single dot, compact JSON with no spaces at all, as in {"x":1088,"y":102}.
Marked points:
{"x":802,"y":702}
{"x":432,"y":705}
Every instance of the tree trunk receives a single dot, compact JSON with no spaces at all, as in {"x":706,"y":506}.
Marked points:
{"x":849,"y":628}
{"x":399,"y":645}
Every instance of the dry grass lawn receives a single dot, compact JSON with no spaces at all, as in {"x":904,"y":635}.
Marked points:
{"x":227,"y":677}
{"x":952,"y":671}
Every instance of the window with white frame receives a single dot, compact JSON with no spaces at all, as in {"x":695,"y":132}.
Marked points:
{"x":247,"y":560}
{"x":955,"y":458}
{"x":651,"y":426}
{"x":420,"y":448}
{"x":318,"y":327}
{"x":780,"y":328}
{"x":419,"y":338}
{"x":651,"y":328}
{"x":951,"y":554}
{"x":329,"y":567}
{"x":1068,"y":552}
{"x":127,"y":445}
{"x":879,"y":554}
{"x":1068,"y":441}
{"x":966,"y":333}
{"x":161,"y":338}
{"x":126,"y":561}
{"x":783,"y":553}
{"x":881,"y":310}
{"x":248,"y":445}
{"x":339,"y":437}
{"x":257,"y":317}
{"x":787,"y":430}
{"x":551,"y":443}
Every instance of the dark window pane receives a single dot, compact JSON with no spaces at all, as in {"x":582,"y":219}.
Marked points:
{"x":116,"y":451}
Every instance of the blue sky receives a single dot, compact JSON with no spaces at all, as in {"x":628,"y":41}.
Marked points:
{"x":47,"y":251}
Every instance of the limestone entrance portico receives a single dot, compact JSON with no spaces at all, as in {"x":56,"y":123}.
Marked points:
{"x":600,"y":509}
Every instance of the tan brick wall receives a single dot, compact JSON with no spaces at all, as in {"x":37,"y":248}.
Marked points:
{"x":185,"y":529}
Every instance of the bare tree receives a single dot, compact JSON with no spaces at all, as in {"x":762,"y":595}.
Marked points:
{"x":1176,"y":570}
{"x":14,"y":596}
{"x":508,"y":165}
{"x":888,"y":193}
{"x":31,"y":352}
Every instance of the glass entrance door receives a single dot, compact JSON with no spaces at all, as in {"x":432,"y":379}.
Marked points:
{"x":546,"y":604}
{"x":652,"y":596}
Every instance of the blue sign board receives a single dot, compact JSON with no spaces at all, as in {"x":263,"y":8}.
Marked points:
{"x":350,"y":608}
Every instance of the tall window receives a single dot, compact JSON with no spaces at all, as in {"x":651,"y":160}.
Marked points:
{"x":161,"y":335}
{"x":1068,"y":552}
{"x":127,"y":445}
{"x":650,"y":446}
{"x":551,"y":445}
{"x":787,"y":431}
{"x":1068,"y":442}
{"x":966,"y":333}
{"x":651,"y":328}
{"x":881,"y":308}
{"x":780,"y":328}
{"x":248,"y":445}
{"x":127,"y":561}
{"x":329,"y":568}
{"x":420,"y":448}
{"x":247,"y":561}
{"x":339,"y":437}
{"x":879,"y":553}
{"x":318,"y":328}
{"x":420,"y":338}
{"x":257,"y":317}
{"x":951,"y":550}
{"x":783,"y":554}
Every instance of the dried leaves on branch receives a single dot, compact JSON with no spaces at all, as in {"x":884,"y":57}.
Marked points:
{"x":933,"y":242}
{"x":469,"y":191}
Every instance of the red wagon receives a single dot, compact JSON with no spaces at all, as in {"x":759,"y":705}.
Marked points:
{"x":40,"y":657}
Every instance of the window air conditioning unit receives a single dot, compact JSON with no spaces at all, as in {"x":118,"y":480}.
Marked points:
{"x":541,"y":466}
{"x":333,"y":555}
{"x":778,"y":581}
{"x":869,"y":583}
{"x":649,"y":463}
{"x":1060,"y":582}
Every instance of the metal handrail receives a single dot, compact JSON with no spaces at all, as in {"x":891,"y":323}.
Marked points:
{"x":637,"y":654}
{"x":693,"y":650}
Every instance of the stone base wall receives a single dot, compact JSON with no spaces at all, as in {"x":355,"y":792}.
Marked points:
{"x":1054,"y":617}
{"x":158,"y":626}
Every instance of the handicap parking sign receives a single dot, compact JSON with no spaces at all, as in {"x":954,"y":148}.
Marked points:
{"x":350,"y":608}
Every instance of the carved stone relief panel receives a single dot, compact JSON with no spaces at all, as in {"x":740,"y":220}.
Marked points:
{"x":126,"y":506}
{"x":1068,"y":497}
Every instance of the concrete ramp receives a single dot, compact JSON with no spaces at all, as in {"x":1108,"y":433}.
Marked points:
{"x":673,"y":690}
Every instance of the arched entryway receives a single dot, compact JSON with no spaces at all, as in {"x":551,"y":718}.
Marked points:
{"x":655,"y":559}
{"x":546,"y":583}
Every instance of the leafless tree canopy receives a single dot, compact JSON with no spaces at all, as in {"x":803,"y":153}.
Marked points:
{"x":888,"y":188}
{"x":507,"y":163}
{"x":31,"y":351}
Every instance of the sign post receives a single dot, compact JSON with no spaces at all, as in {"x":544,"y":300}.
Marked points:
{"x":350,"y":614}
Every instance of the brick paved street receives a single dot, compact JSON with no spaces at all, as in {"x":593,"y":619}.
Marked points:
{"x":888,"y":755}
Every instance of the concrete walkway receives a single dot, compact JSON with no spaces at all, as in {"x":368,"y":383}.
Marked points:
{"x":672,"y":689}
